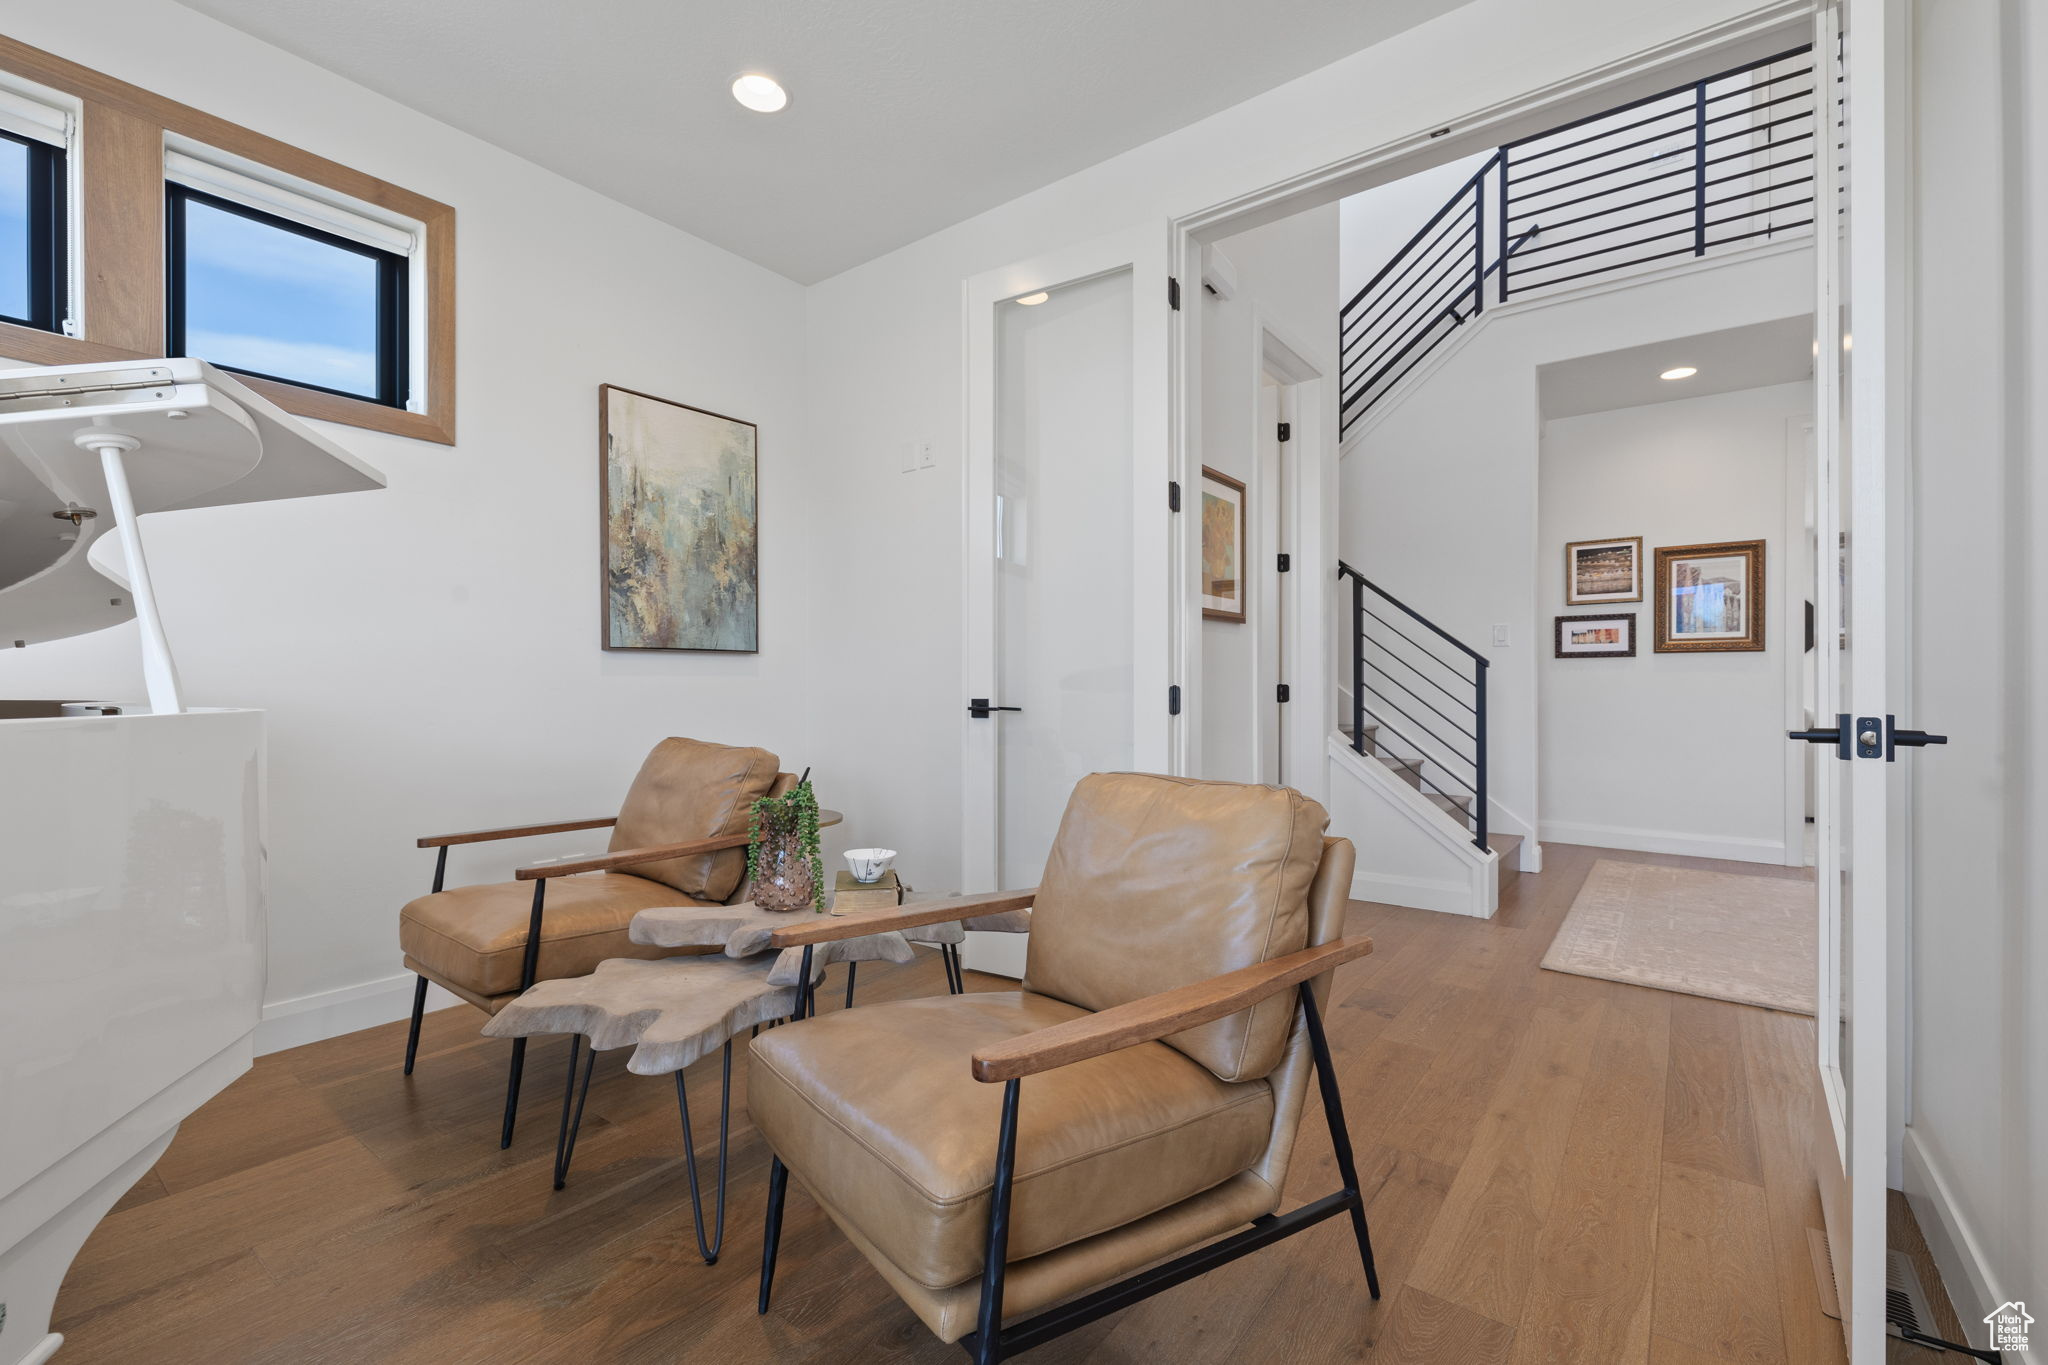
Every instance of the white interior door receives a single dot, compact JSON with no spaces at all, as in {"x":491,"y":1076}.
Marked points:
{"x":1858,"y":380}
{"x":1067,"y":550}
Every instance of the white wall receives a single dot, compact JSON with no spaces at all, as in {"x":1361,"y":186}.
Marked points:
{"x":1286,"y":280}
{"x":885,"y":361}
{"x":1439,"y":488}
{"x":1673,"y":753}
{"x":428,"y":654}
{"x":1976,"y":506}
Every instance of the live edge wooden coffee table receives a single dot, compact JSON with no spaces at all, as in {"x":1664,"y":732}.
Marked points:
{"x":673,"y":1011}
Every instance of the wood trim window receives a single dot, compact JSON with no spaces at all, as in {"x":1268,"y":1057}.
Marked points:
{"x":121,"y":147}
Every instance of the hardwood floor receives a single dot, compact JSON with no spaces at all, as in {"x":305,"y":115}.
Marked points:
{"x":1559,"y":1169}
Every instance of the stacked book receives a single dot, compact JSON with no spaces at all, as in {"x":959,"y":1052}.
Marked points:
{"x":849,"y":895}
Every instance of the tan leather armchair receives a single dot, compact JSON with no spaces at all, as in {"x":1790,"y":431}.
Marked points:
{"x":679,"y":839}
{"x":1182,"y":942}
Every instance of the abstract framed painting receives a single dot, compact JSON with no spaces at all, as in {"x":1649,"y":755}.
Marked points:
{"x":1223,"y":547}
{"x":1596,"y":637}
{"x":679,"y":499}
{"x":1710,"y":598}
{"x":1603,"y":571}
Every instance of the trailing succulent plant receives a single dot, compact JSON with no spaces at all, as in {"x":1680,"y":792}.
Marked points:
{"x":793,"y":818}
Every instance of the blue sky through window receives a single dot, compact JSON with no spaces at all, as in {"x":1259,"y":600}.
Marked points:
{"x":13,"y":228}
{"x":262,"y":298}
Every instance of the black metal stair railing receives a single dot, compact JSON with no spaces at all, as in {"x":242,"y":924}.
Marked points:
{"x":1723,"y":162}
{"x":1403,"y":686}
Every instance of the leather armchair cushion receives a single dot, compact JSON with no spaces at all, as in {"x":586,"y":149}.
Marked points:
{"x":1157,"y":882}
{"x":688,"y":789}
{"x":474,"y":937}
{"x":874,"y":1108}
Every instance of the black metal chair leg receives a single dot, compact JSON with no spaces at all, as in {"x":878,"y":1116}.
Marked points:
{"x":529,"y":969}
{"x":849,"y":983}
{"x":572,"y":1110}
{"x":1340,"y":1136}
{"x":512,"y":1091}
{"x":709,"y":1251}
{"x":419,"y":1008}
{"x":988,"y":1327}
{"x":956,"y":978}
{"x":771,"y":1235}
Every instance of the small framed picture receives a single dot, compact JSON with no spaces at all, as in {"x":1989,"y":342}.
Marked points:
{"x":1223,"y":547}
{"x":1603,"y":571}
{"x":1597,"y":637}
{"x":1710,"y":598}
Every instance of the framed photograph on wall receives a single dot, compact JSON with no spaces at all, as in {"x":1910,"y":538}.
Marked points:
{"x":677,"y":492}
{"x":1603,"y":571}
{"x":1596,"y":637}
{"x":1223,"y":547}
{"x":1710,"y":598}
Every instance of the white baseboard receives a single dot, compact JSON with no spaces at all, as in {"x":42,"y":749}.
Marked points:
{"x":329,"y":1014}
{"x":1417,"y":893}
{"x":1958,"y":1254}
{"x":1664,"y":841}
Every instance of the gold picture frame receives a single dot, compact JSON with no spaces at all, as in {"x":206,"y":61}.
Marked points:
{"x":1710,"y":598}
{"x":1224,"y":559}
{"x":1601,"y":571}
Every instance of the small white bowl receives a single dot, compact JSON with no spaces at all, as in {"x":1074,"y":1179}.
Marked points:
{"x":869,"y":864}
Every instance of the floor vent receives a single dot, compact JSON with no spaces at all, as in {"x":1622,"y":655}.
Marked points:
{"x":1905,"y":1302}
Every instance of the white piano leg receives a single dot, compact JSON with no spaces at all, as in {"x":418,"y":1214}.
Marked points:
{"x":35,"y":1267}
{"x":159,"y":672}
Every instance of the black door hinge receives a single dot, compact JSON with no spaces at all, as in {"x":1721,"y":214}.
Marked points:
{"x":1287,"y":431}
{"x":1282,"y":693}
{"x":1173,"y":700}
{"x":1173,"y":293}
{"x":1286,"y":563}
{"x":1173,"y":495}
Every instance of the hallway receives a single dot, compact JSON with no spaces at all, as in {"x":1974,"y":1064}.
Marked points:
{"x":1560,"y":1169}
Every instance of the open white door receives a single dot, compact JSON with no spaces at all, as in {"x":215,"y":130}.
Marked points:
{"x":1067,"y":580}
{"x":1860,"y":384}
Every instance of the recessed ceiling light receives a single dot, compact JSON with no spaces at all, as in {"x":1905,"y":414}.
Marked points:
{"x":1033,"y":300}
{"x":1682,"y":372}
{"x":762,"y":94}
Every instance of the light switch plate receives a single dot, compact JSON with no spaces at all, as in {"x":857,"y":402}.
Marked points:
{"x":1500,"y":637}
{"x":925,"y":459}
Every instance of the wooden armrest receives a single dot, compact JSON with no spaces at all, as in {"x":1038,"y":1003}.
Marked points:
{"x":824,"y":929}
{"x":478,"y":836}
{"x":1159,"y":1016}
{"x":654,"y":853}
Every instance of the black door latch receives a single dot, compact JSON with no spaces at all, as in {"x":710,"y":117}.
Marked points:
{"x":979,"y":708}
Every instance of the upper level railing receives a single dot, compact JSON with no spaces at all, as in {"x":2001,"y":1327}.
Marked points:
{"x":1416,"y":684}
{"x":1721,"y":163}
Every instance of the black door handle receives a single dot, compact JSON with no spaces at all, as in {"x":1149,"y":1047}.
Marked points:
{"x":979,"y":708}
{"x":1839,"y":736}
{"x":1911,"y":739}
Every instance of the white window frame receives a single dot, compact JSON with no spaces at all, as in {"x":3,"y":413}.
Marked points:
{"x":52,"y":117}
{"x":251,"y":184}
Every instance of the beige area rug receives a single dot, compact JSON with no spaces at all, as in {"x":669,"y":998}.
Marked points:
{"x":1726,"y":935}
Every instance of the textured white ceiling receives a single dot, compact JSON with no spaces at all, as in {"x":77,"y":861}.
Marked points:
{"x":1763,"y":353}
{"x":904,"y":116}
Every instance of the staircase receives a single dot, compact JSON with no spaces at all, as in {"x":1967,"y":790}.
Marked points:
{"x":1415,"y":712}
{"x":1721,"y":164}
{"x":1507,"y":848}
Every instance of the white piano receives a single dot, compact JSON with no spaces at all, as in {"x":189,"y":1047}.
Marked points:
{"x":132,"y":954}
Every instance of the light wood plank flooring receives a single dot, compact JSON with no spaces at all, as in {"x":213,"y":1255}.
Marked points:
{"x":1559,"y":1168}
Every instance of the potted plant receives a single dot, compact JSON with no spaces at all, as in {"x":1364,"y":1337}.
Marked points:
{"x":783,"y":858}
